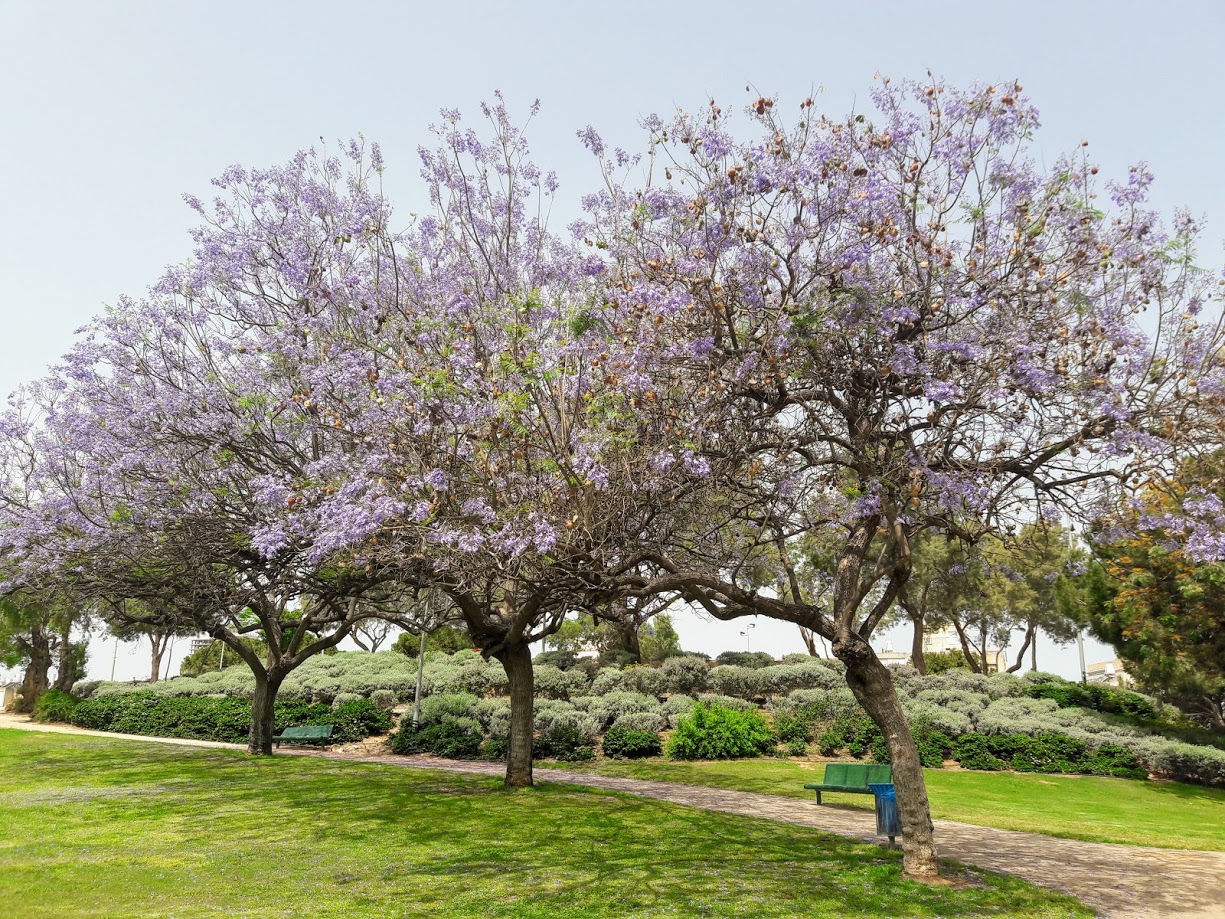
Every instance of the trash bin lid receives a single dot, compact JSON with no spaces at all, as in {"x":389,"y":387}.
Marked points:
{"x":883,"y":789}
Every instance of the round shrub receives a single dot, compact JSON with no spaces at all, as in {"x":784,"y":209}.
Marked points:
{"x":741,"y":682}
{"x":550,"y":715}
{"x":785,"y":678}
{"x":554,"y":683}
{"x":565,"y":742}
{"x":623,"y":742}
{"x":84,"y":689}
{"x":675,"y":707}
{"x":716,"y":732}
{"x":384,"y":699}
{"x":343,"y":697}
{"x":439,"y":708}
{"x":647,"y":681}
{"x":641,"y":721}
{"x":610,"y":679}
{"x":687,"y":673}
{"x":957,"y":700}
{"x":612,"y":706}
{"x":494,"y":716}
{"x":55,"y":705}
{"x":947,"y":721}
{"x":738,"y":705}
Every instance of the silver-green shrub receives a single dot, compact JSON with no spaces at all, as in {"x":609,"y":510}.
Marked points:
{"x":731,"y":680}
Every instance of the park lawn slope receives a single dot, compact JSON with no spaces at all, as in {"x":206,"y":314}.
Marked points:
{"x":95,"y":828}
{"x":1093,"y":808}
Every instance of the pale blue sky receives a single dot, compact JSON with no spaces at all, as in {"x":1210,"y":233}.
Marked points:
{"x":109,"y":111}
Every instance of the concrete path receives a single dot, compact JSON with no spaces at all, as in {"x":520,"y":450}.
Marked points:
{"x":1120,"y":882}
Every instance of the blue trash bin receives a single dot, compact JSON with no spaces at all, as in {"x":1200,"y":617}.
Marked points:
{"x":888,"y":818}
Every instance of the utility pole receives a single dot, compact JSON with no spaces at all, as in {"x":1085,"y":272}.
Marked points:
{"x":114,"y":656}
{"x":1080,"y":647}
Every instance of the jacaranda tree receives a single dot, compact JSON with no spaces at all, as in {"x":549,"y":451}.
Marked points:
{"x":889,"y":323}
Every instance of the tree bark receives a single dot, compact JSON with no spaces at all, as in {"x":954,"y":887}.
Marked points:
{"x":517,"y":661}
{"x":158,"y":650}
{"x":1025,"y":645}
{"x":263,"y":713}
{"x":627,"y":635}
{"x":917,"y":660}
{"x":965,"y":647}
{"x":872,"y":685}
{"x":36,"y":679}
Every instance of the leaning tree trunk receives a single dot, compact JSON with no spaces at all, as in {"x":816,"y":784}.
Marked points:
{"x":263,"y":713}
{"x":872,"y":685}
{"x":517,"y":661}
{"x":917,"y":660}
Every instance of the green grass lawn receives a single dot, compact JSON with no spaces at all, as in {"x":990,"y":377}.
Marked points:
{"x":93,"y":827}
{"x":1166,"y":814}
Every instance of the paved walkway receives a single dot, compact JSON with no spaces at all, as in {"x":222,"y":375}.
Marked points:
{"x":1121,"y":882}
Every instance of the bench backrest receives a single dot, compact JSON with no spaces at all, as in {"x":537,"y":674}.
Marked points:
{"x":857,"y":775}
{"x":835,"y":774}
{"x":309,"y":732}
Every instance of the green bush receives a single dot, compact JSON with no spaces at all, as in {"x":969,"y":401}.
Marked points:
{"x":1111,"y":759}
{"x":358,"y":720}
{"x":715,"y":732}
{"x":971,"y":751}
{"x":627,"y":743}
{"x":565,"y":742}
{"x":55,"y":705}
{"x":792,"y":728}
{"x":797,"y":747}
{"x":452,"y":738}
{"x":225,"y":719}
{"x":1099,"y":698}
{"x":493,"y":749}
{"x":934,"y":746}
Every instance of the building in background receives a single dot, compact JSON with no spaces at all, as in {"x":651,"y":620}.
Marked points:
{"x":941,"y":640}
{"x":1109,"y":673}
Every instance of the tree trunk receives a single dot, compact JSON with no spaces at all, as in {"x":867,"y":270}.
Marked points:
{"x":627,"y":633}
{"x":965,"y":647}
{"x":1025,"y":645}
{"x":158,"y":650}
{"x":917,"y":660}
{"x":810,"y":641}
{"x":263,"y":714}
{"x":36,"y":678}
{"x":517,"y":661}
{"x":872,"y":685}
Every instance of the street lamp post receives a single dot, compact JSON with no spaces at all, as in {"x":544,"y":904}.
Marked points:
{"x":747,"y":633}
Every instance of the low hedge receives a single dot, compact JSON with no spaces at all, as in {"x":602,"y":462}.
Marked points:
{"x":225,"y":719}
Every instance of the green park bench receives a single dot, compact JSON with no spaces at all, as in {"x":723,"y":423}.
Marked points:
{"x":308,"y":733}
{"x":852,"y":778}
